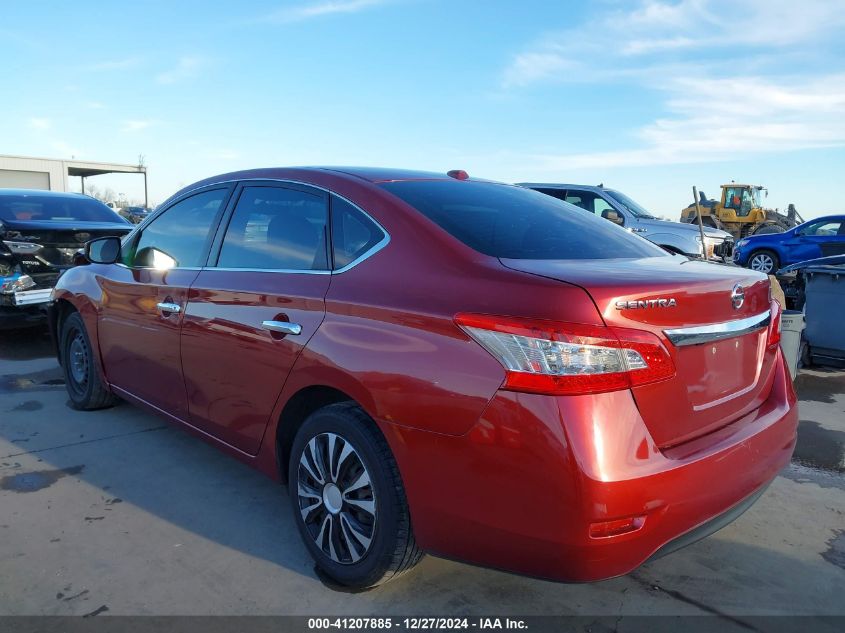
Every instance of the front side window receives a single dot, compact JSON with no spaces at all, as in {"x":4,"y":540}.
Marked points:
{"x":823,"y":229}
{"x":603,"y":208}
{"x":274,"y":228}
{"x":178,"y":237}
{"x":733,"y":198}
{"x":582,"y":199}
{"x":518,"y":223}
{"x":353,"y":233}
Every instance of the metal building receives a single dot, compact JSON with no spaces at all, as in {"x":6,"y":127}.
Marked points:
{"x":25,"y":172}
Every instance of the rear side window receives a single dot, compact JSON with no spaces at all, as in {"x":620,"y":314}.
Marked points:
{"x":178,"y":237}
{"x":275,"y":228}
{"x":353,"y":233}
{"x":517,"y":223}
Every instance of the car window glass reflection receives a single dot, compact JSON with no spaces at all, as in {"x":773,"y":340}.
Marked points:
{"x":274,"y":228}
{"x":178,"y":237}
{"x":353,"y":233}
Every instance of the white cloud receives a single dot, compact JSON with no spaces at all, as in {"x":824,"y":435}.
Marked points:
{"x":731,"y":101}
{"x":136,"y":125}
{"x":529,"y":67}
{"x":658,"y":31}
{"x":39,"y":123}
{"x":318,"y":9}
{"x":751,"y":115}
{"x":640,"y":47}
{"x":185,"y":68}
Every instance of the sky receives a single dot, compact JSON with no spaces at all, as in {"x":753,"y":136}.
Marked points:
{"x":649,"y":97}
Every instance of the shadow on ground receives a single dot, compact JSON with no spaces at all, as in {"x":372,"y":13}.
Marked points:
{"x":136,"y":459}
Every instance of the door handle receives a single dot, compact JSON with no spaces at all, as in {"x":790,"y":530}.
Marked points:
{"x":165,"y":307}
{"x":282,"y":327}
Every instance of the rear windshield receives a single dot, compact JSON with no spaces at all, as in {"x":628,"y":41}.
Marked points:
{"x":516,"y":223}
{"x":55,"y":209}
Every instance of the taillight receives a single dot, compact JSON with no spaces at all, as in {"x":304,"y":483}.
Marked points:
{"x":774,"y":325}
{"x":569,"y":358}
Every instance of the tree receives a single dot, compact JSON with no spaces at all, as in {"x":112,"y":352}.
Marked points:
{"x":106,"y":195}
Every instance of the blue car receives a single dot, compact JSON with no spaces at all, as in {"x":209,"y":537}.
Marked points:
{"x":769,"y":252}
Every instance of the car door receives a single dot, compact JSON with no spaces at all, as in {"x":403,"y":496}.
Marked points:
{"x":144,"y":297}
{"x":252,"y":310}
{"x":817,"y":239}
{"x":830,"y":238}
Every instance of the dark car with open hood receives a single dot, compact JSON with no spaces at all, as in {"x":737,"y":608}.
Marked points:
{"x":40,"y":233}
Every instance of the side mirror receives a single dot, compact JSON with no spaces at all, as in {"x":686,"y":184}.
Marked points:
{"x":613,"y":216}
{"x":105,"y":250}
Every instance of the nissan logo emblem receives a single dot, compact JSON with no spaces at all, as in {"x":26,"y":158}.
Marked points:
{"x":737,"y":296}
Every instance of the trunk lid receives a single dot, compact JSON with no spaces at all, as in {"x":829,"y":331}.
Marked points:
{"x":717,"y":380}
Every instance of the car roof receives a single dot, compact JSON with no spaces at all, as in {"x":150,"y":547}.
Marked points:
{"x":555,"y":185}
{"x":834,"y":216}
{"x":42,"y":192}
{"x":386,"y":174}
{"x":369,"y":174}
{"x":373,"y":175}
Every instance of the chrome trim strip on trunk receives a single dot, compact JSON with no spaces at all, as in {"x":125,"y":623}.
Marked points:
{"x":700,"y":334}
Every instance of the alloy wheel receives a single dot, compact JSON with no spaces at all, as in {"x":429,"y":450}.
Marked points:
{"x":762,"y":262}
{"x":336,"y":498}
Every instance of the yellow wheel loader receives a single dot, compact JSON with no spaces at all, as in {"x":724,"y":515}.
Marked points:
{"x":740,"y":212}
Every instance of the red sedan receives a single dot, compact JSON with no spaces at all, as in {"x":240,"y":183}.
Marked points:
{"x":440,"y":364}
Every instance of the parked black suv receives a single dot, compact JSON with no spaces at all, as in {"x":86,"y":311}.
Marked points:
{"x":40,"y":233}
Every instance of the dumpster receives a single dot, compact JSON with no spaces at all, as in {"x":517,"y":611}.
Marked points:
{"x":824,"y":305}
{"x":818,"y":289}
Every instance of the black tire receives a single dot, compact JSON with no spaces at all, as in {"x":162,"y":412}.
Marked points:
{"x":392,"y":549}
{"x":805,"y":354}
{"x":761,"y":256}
{"x":769,"y":229}
{"x":85,"y":387}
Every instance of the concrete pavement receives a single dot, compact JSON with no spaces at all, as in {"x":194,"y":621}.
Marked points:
{"x":115,"y":512}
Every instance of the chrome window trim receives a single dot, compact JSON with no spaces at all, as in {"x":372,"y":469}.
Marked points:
{"x":375,"y":248}
{"x":289,"y":271}
{"x":700,"y":334}
{"x":122,"y":265}
{"x":385,"y":240}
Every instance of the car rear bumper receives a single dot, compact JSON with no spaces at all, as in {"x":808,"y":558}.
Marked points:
{"x":525,"y":487}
